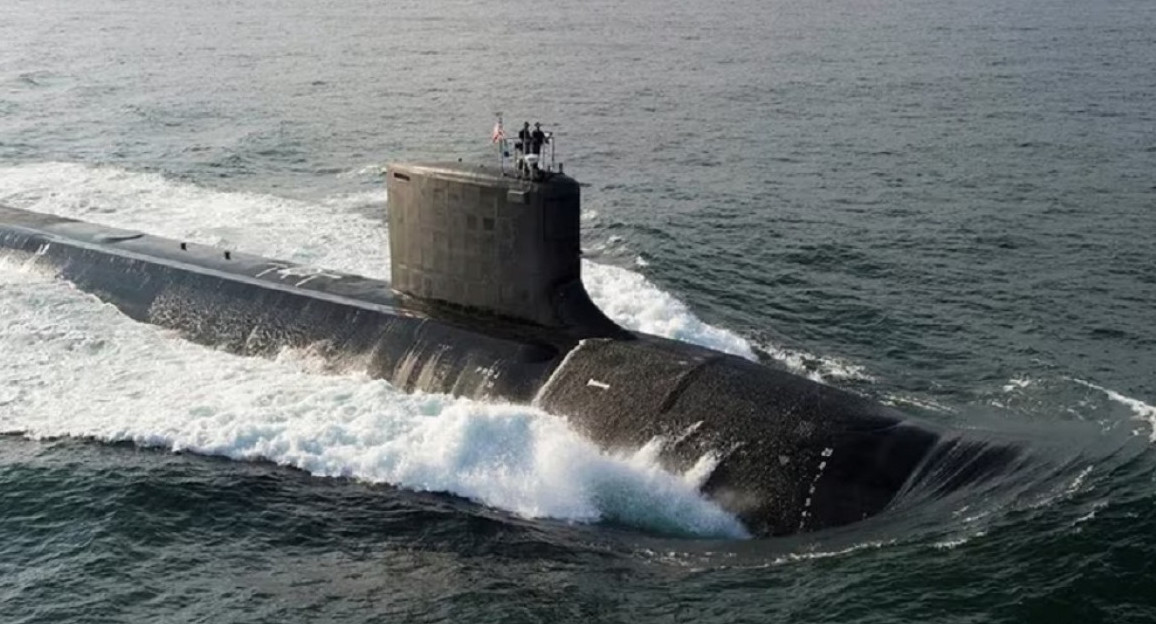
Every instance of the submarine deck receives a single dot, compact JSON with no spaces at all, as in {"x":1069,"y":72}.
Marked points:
{"x":325,"y":284}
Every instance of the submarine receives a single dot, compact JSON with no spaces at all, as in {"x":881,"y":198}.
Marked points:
{"x":486,"y":301}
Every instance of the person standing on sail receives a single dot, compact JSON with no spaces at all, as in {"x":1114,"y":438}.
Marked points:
{"x":522,"y":147}
{"x":537,"y":139}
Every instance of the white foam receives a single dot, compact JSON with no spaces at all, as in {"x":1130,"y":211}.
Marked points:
{"x":637,"y":304}
{"x":818,"y":368}
{"x":953,"y":543}
{"x":1017,"y":383}
{"x":1140,"y":409}
{"x":818,"y":554}
{"x":362,"y":199}
{"x":1091,"y":514}
{"x":76,"y":367}
{"x":1077,"y":483}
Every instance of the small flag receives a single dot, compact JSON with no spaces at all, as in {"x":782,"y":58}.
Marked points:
{"x":499,"y":133}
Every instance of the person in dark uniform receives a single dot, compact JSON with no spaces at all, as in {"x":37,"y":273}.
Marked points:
{"x":522,"y":147}
{"x":537,"y":139}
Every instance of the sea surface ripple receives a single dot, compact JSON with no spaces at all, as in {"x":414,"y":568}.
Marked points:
{"x":947,"y":207}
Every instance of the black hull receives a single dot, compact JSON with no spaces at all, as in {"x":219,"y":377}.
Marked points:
{"x":792,"y":455}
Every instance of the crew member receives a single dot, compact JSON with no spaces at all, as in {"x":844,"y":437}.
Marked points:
{"x":522,"y":147}
{"x":537,"y":139}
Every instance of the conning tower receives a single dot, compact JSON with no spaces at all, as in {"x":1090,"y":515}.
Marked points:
{"x":490,"y":241}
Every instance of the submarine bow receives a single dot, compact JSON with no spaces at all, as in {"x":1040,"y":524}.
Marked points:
{"x":486,"y":301}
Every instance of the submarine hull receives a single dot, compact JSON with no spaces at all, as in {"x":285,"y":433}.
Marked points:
{"x":786,"y":454}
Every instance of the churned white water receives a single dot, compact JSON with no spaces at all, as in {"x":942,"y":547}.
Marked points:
{"x":1141,"y":410}
{"x":75,"y":366}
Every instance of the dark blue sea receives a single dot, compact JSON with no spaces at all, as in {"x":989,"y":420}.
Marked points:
{"x":949,"y":207}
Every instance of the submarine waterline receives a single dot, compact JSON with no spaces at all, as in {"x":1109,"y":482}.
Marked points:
{"x":489,"y":304}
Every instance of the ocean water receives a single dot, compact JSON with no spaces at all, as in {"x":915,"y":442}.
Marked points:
{"x":948,"y":207}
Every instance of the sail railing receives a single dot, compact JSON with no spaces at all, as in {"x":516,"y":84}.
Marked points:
{"x":525,"y":162}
